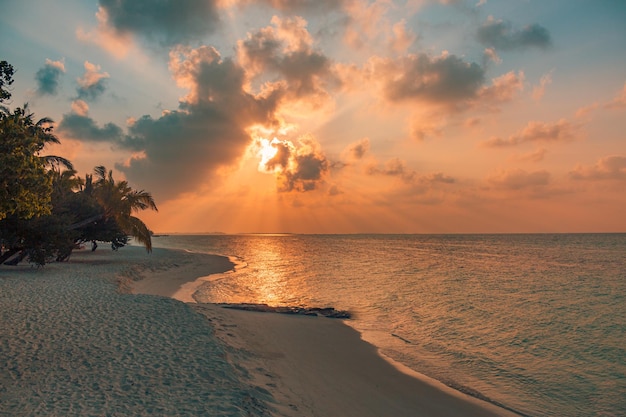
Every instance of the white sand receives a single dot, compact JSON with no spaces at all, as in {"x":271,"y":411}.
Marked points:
{"x":71,"y":345}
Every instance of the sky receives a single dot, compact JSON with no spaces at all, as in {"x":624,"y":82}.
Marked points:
{"x":337,"y":116}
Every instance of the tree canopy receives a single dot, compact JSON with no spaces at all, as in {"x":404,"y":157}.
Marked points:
{"x":6,"y":79}
{"x":46,"y":210}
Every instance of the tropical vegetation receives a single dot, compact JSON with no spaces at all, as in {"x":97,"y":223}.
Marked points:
{"x":46,"y":209}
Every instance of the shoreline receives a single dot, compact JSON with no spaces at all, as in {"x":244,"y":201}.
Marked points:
{"x":275,"y":362}
{"x":81,"y":340}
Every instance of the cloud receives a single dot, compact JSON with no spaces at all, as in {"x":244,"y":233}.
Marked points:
{"x":396,"y":167}
{"x":117,"y":44}
{"x":84,"y":128}
{"x":164,"y":22}
{"x":92,"y":84}
{"x":500,"y":35}
{"x":185,"y":148}
{"x":284,"y":54}
{"x":401,"y":38}
{"x":80,"y":107}
{"x":608,"y":168}
{"x":365,"y":22}
{"x":586,"y":110}
{"x":534,"y":156}
{"x":445,"y":79}
{"x":428,"y":126}
{"x":48,"y":77}
{"x":517,"y":179}
{"x":503,"y":88}
{"x":292,"y":6}
{"x":490,"y":55}
{"x":472,"y":122}
{"x":358,"y":150}
{"x":560,"y":131}
{"x":619,"y":101}
{"x":298,"y":168}
{"x":539,"y":90}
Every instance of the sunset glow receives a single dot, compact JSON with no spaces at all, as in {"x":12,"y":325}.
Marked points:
{"x":342,"y":116}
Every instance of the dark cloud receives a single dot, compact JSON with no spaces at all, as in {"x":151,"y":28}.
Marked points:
{"x":92,"y":84}
{"x":91,"y":92}
{"x":85,"y":129}
{"x":285,"y":52}
{"x":305,"y":175}
{"x":48,"y":77}
{"x":309,"y":170}
{"x":359,"y":149}
{"x":500,"y":35}
{"x":166,"y":22}
{"x":446,"y":79}
{"x":280,"y":161}
{"x":301,"y":169}
{"x":300,"y":6}
{"x":185,"y":147}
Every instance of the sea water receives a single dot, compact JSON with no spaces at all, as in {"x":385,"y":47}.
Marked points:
{"x":533,"y":323}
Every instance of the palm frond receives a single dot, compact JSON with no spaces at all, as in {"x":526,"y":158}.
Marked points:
{"x":100,"y":172}
{"x":52,"y":160}
{"x":141,"y":200}
{"x":138,"y":230}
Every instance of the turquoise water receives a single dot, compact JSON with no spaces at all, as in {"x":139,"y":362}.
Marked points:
{"x":534,"y":323}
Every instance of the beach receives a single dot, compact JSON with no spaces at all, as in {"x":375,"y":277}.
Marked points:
{"x":107,"y":334}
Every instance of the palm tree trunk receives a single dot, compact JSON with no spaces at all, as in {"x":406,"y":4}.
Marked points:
{"x":6,"y":255}
{"x":85,"y":222}
{"x":18,"y":258}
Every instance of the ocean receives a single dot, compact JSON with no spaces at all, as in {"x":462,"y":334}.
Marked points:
{"x":535,"y":323}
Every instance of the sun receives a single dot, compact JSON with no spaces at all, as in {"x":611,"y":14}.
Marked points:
{"x":266,"y":151}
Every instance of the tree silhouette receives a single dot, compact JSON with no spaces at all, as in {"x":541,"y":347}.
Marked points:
{"x":119,"y":202}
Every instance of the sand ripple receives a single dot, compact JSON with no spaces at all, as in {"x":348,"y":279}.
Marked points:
{"x":71,"y":345}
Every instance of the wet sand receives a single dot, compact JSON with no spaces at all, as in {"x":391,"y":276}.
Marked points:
{"x":74,"y":341}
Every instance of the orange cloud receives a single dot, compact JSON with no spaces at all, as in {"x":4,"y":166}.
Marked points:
{"x":560,"y":131}
{"x":608,"y":168}
{"x":539,"y":90}
{"x":115,"y":43}
{"x":490,"y":55}
{"x":91,"y":84}
{"x":401,"y":38}
{"x":534,"y":156}
{"x":517,"y":179}
{"x":426,"y":127}
{"x":503,"y":88}
{"x":358,"y":150}
{"x":80,"y":107}
{"x":619,"y":101}
{"x":366,"y":22}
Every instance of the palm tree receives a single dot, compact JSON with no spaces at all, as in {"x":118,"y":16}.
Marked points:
{"x":119,"y":201}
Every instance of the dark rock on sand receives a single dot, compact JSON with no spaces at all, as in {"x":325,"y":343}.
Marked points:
{"x":313,"y":311}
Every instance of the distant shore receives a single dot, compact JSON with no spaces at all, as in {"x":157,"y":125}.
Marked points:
{"x":74,"y":345}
